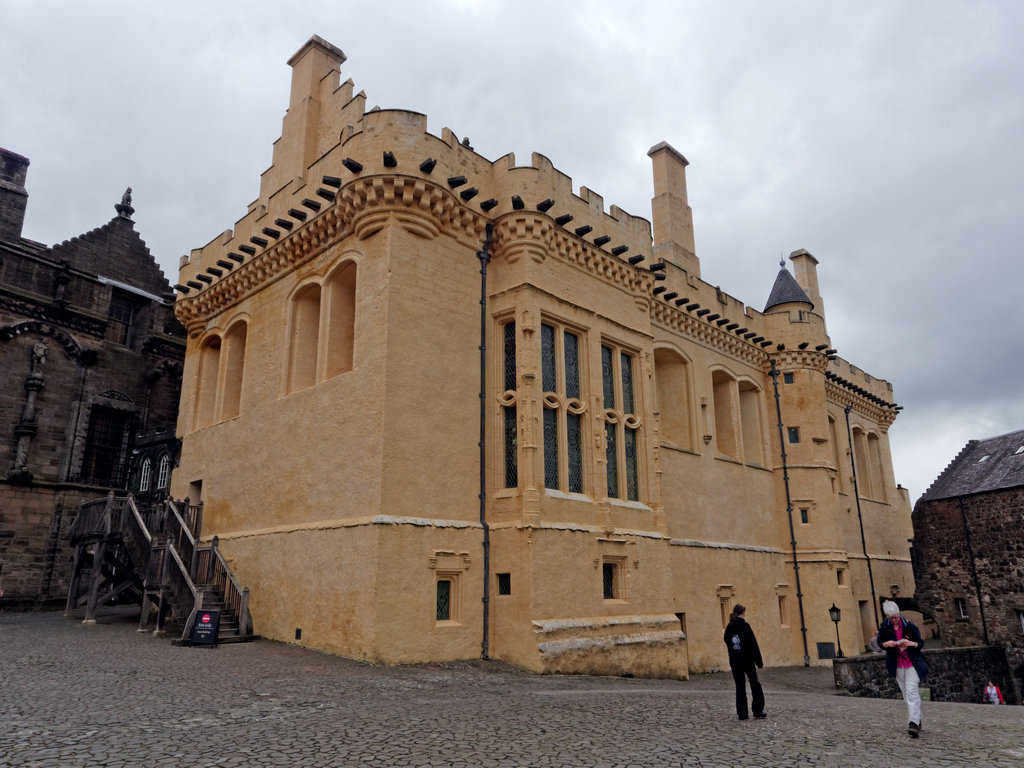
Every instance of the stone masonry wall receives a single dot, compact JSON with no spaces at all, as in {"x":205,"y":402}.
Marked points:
{"x":955,"y":674}
{"x":943,"y":570}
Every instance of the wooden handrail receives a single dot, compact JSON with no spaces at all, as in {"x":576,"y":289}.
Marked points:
{"x":165,"y":543}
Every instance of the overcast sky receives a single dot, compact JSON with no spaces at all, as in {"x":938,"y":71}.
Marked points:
{"x":886,"y":138}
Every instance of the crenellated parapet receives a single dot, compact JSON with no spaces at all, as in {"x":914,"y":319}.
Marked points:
{"x":848,"y":386}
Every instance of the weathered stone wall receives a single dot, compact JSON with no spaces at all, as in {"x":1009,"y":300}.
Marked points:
{"x":60,"y":364}
{"x":994,"y":524}
{"x":955,"y":674}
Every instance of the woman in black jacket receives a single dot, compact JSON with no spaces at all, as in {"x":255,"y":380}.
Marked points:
{"x":744,"y":659}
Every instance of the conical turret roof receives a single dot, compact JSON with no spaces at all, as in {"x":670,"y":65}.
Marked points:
{"x":786,"y":290}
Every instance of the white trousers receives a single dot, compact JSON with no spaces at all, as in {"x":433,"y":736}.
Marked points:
{"x":908,"y":681}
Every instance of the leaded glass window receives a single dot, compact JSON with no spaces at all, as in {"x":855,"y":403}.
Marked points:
{"x":611,"y":456}
{"x":608,"y":376}
{"x":511,"y":463}
{"x":509,"y":410}
{"x":444,"y":600}
{"x":550,"y":448}
{"x":622,"y":459}
{"x":509,"y":330}
{"x":563,"y":408}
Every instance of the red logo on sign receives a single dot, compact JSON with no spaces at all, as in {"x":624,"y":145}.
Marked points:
{"x":206,"y":618}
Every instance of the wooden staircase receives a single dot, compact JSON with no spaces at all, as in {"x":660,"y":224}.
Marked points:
{"x":151,"y":556}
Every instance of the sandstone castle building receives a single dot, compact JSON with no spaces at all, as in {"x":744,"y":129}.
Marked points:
{"x":89,"y":383}
{"x":437,"y":405}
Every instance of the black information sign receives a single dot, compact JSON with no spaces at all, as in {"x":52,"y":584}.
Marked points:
{"x":204,"y":631}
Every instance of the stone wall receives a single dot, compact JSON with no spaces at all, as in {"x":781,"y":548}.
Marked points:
{"x":955,"y":674}
{"x":945,"y":573}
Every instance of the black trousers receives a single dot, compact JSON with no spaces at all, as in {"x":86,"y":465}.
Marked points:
{"x":740,"y":676}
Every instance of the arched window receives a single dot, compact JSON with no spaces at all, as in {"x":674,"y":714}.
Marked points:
{"x":750,"y":423}
{"x":206,"y":385}
{"x":234,"y":364}
{"x":341,"y":319}
{"x":837,"y":457}
{"x":672,"y":374}
{"x":304,"y":332}
{"x":861,"y":462}
{"x":163,"y":474}
{"x":145,"y":474}
{"x":726,"y":413}
{"x":874,"y":460}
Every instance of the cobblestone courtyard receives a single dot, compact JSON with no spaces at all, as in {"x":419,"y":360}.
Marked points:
{"x":77,"y":697}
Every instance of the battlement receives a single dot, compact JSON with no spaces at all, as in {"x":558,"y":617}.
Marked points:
{"x":388,"y":157}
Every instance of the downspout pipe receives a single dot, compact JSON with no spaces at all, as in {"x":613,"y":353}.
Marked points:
{"x":774,"y":373}
{"x":484,"y":256}
{"x":974,"y":568}
{"x":860,"y":517}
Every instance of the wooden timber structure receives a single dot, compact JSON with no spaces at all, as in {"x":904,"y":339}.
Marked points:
{"x":152,"y":555}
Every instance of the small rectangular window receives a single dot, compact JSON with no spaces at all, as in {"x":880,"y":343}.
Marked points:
{"x":787,"y":378}
{"x":794,"y":434}
{"x":608,"y":572}
{"x":444,"y":600}
{"x":960,"y":607}
{"x":841,"y":577}
{"x":804,"y":516}
{"x":612,"y":574}
{"x":119,"y":320}
{"x":783,"y":611}
{"x":504,"y":583}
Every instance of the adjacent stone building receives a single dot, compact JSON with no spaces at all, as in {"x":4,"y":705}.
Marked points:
{"x":437,"y":405}
{"x":90,"y":379}
{"x":969,"y":547}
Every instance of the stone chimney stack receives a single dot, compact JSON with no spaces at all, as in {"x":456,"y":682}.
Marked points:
{"x":13,"y":195}
{"x":805,"y":270}
{"x":316,"y":73}
{"x":670,"y":211}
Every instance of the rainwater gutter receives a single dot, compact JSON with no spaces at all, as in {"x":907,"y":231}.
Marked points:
{"x":484,"y":257}
{"x":774,"y":373}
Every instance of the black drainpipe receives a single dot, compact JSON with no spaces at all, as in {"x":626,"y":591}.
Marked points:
{"x":860,"y":519}
{"x":484,"y":257}
{"x":774,"y":373}
{"x":974,"y":569}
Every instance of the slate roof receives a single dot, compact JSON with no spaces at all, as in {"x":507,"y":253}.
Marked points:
{"x":786,"y":290}
{"x":982,"y":465}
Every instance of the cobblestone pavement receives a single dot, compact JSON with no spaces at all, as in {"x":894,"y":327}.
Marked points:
{"x":76,"y":697}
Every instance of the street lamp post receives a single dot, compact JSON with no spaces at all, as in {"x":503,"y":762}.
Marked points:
{"x":833,"y":613}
